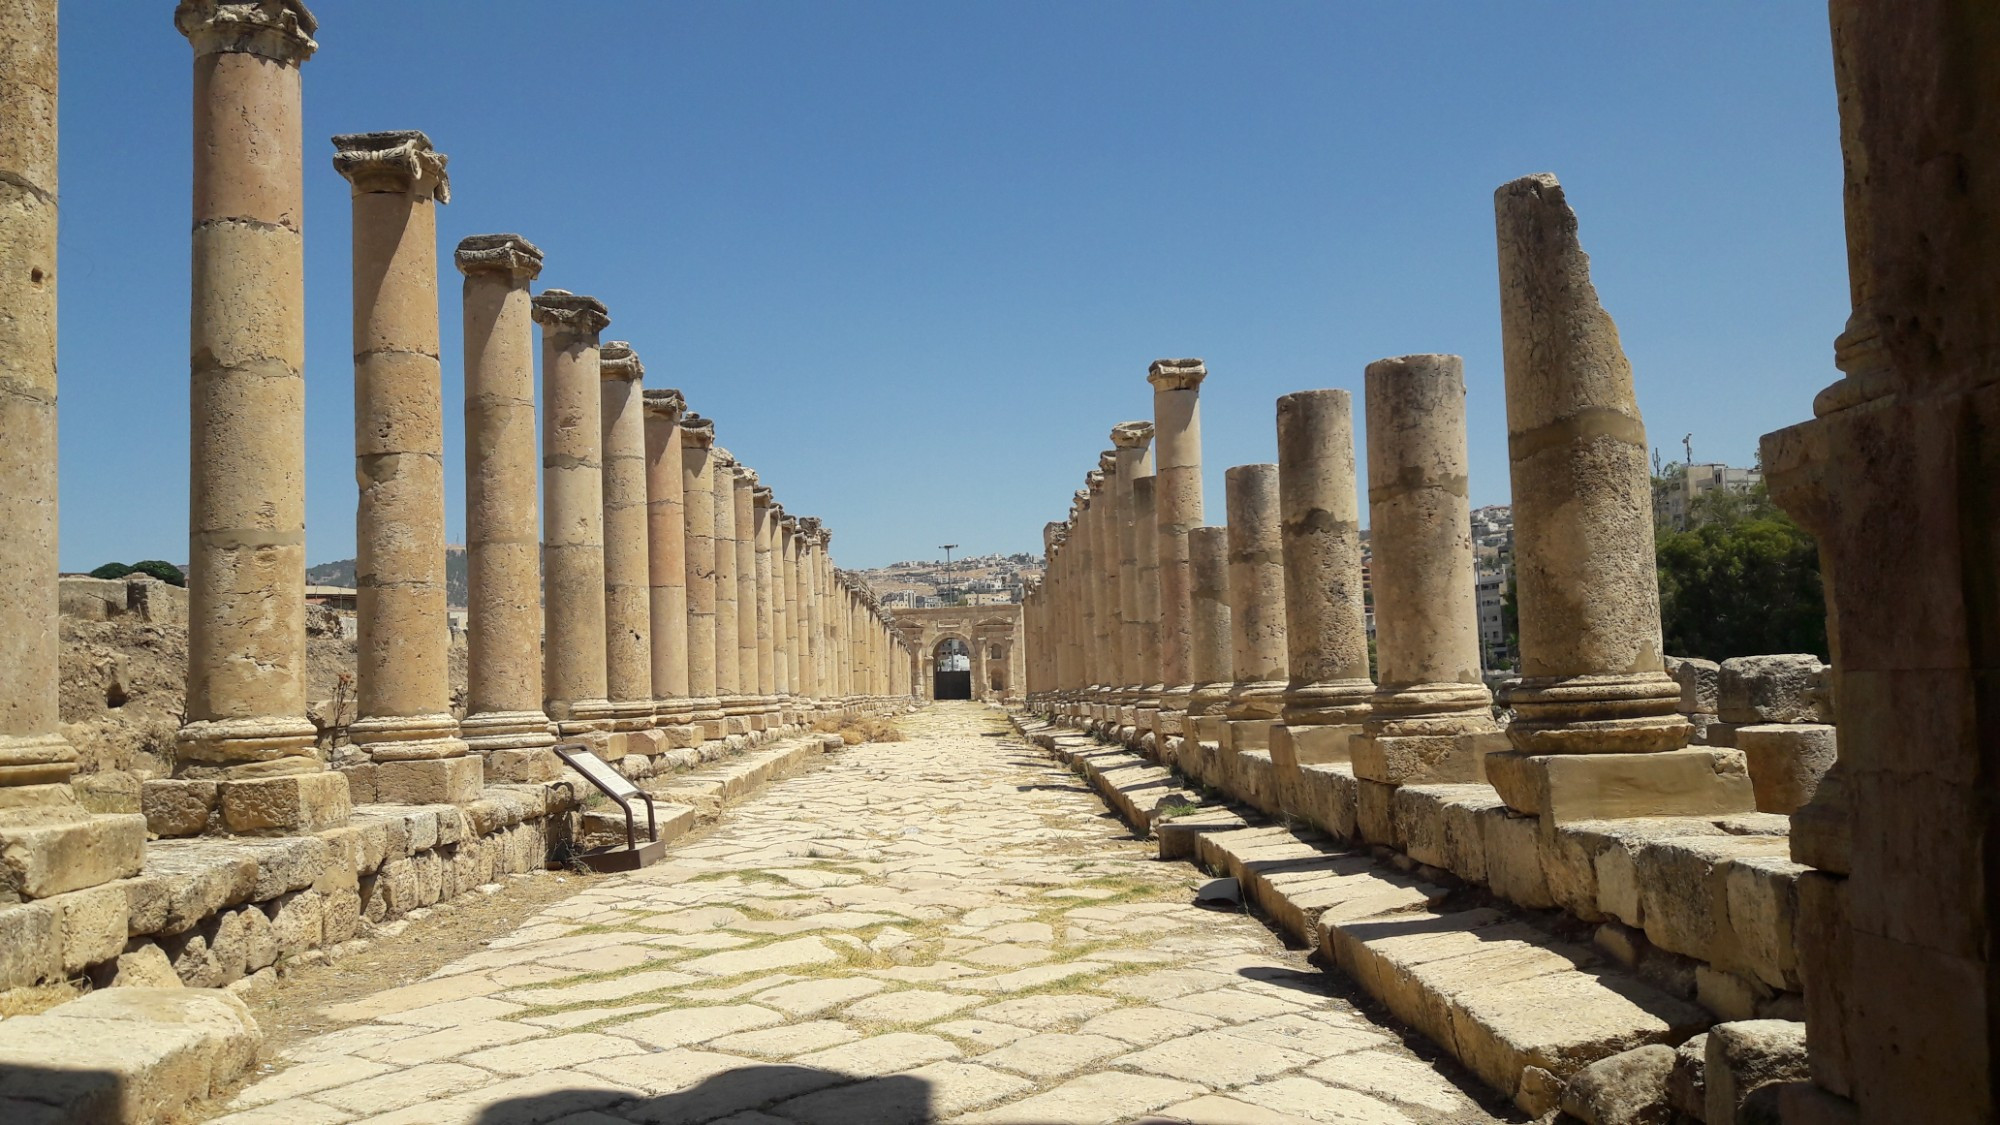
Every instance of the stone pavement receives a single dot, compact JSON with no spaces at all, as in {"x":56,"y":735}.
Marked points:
{"x":944,"y":929}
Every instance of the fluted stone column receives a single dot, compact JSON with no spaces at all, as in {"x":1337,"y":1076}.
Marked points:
{"x":1596,"y":731}
{"x":403,"y":653}
{"x":1256,"y":608}
{"x":48,"y":843}
{"x":1432,"y":719}
{"x":766,"y":650}
{"x":1177,"y":498}
{"x":628,"y":599}
{"x":728,"y":671}
{"x":246,"y":723}
{"x":503,"y":720}
{"x":573,"y":679}
{"x":751,"y":701}
{"x":1213,"y":663}
{"x":698,"y":473}
{"x":666,"y":567}
{"x":1325,"y":610}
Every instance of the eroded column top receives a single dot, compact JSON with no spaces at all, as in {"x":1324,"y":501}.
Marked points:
{"x":665,"y":404}
{"x":616,"y":360}
{"x":696,"y":431}
{"x":398,"y":162}
{"x":280,"y":30}
{"x":1176,"y":374}
{"x":566,"y":313}
{"x":507,"y":254}
{"x":761,"y":496}
{"x":1132,"y":435}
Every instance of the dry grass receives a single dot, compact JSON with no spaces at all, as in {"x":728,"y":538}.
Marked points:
{"x":866,"y":728}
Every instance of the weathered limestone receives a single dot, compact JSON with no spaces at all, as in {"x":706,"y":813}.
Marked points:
{"x":794,"y":617}
{"x":1145,"y":520}
{"x":628,"y":600}
{"x":1133,"y":441}
{"x":743,"y":499}
{"x":246,"y":724}
{"x":48,"y":843}
{"x":666,"y":565}
{"x":1596,"y":731}
{"x":762,"y":529}
{"x":1110,"y":613}
{"x":698,"y":474}
{"x":504,"y":720}
{"x":1431,"y":720}
{"x":1894,"y":478}
{"x":573,"y":680}
{"x":728,"y":667}
{"x":403,"y":674}
{"x":1256,"y":607}
{"x":1326,"y":621}
{"x":1212,"y":663}
{"x":1177,"y":506}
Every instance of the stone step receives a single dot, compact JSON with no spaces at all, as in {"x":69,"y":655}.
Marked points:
{"x":1137,"y":789}
{"x":1521,"y":1008}
{"x":709,"y":789}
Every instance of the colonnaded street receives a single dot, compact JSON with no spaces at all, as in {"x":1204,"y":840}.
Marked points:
{"x":948,"y":928}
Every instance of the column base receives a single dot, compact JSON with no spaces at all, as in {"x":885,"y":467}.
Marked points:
{"x":407,"y":738}
{"x":290,"y":805}
{"x":263,"y":746}
{"x":507,"y":730}
{"x":631,"y":714}
{"x":1431,"y":758}
{"x":1240,"y":735}
{"x":1568,"y":787}
{"x":55,"y":846}
{"x":1295,"y":746}
{"x":581,"y":716}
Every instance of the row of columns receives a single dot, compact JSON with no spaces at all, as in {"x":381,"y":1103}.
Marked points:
{"x":1259,"y":628}
{"x":659,"y":596}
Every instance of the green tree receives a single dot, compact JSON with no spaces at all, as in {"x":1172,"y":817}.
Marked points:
{"x":111,"y":570}
{"x":162,"y":570}
{"x":1743,"y":580}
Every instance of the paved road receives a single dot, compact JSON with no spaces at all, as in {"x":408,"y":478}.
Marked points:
{"x":943,"y":929}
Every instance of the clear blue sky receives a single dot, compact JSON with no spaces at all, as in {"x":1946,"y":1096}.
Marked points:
{"x":915,"y":257}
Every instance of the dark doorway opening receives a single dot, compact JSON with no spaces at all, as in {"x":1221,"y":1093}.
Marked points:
{"x":951,"y":685}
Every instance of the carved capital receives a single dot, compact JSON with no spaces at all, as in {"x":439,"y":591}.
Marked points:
{"x":398,"y":162}
{"x":1176,"y":374}
{"x":1093,"y":483}
{"x":280,"y":30}
{"x":1132,"y":435}
{"x":761,"y":496}
{"x":507,"y":254}
{"x":697,"y":431}
{"x":560,"y":310}
{"x":665,"y":404}
{"x":617,"y":360}
{"x":1107,"y":463}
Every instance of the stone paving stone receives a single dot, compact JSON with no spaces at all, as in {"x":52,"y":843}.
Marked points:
{"x":914,"y":1005}
{"x":1017,"y":956}
{"x":883,"y":1054}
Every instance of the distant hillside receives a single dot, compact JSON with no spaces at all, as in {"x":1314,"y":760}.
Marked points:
{"x":340,"y":572}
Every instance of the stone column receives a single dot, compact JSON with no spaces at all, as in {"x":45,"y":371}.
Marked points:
{"x":403,"y":654}
{"x":48,"y":842}
{"x":1110,"y":613}
{"x":795,"y":611}
{"x":728,"y":671}
{"x":1432,"y":719}
{"x":246,"y":722}
{"x":1326,"y":617}
{"x":1177,"y":498}
{"x":666,"y":566}
{"x":1212,"y":660}
{"x":573,"y":679}
{"x":1256,"y":608}
{"x":1135,"y":459}
{"x":746,"y":597}
{"x":628,"y":599}
{"x":1596,"y":732}
{"x":698,"y":495}
{"x":503,"y":700}
{"x":1145,"y":519}
{"x":767,"y":617}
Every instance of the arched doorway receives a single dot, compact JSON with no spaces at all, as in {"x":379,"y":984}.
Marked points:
{"x":951,"y":669}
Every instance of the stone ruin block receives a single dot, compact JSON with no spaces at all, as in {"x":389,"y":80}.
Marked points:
{"x":1773,"y":689}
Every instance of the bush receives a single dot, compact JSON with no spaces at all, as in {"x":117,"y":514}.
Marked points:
{"x":162,"y":570}
{"x":111,"y":570}
{"x":1743,"y":581}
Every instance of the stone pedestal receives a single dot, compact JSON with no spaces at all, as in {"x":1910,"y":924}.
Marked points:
{"x":628,"y":600}
{"x":1177,"y":506}
{"x":1432,"y":718}
{"x":1326,"y":620}
{"x":1594,"y":694}
{"x":48,"y":843}
{"x":573,"y":679}
{"x":666,"y":566}
{"x":403,"y":673}
{"x":698,"y":494}
{"x":1256,"y":607}
{"x":246,"y":720}
{"x":503,"y":720}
